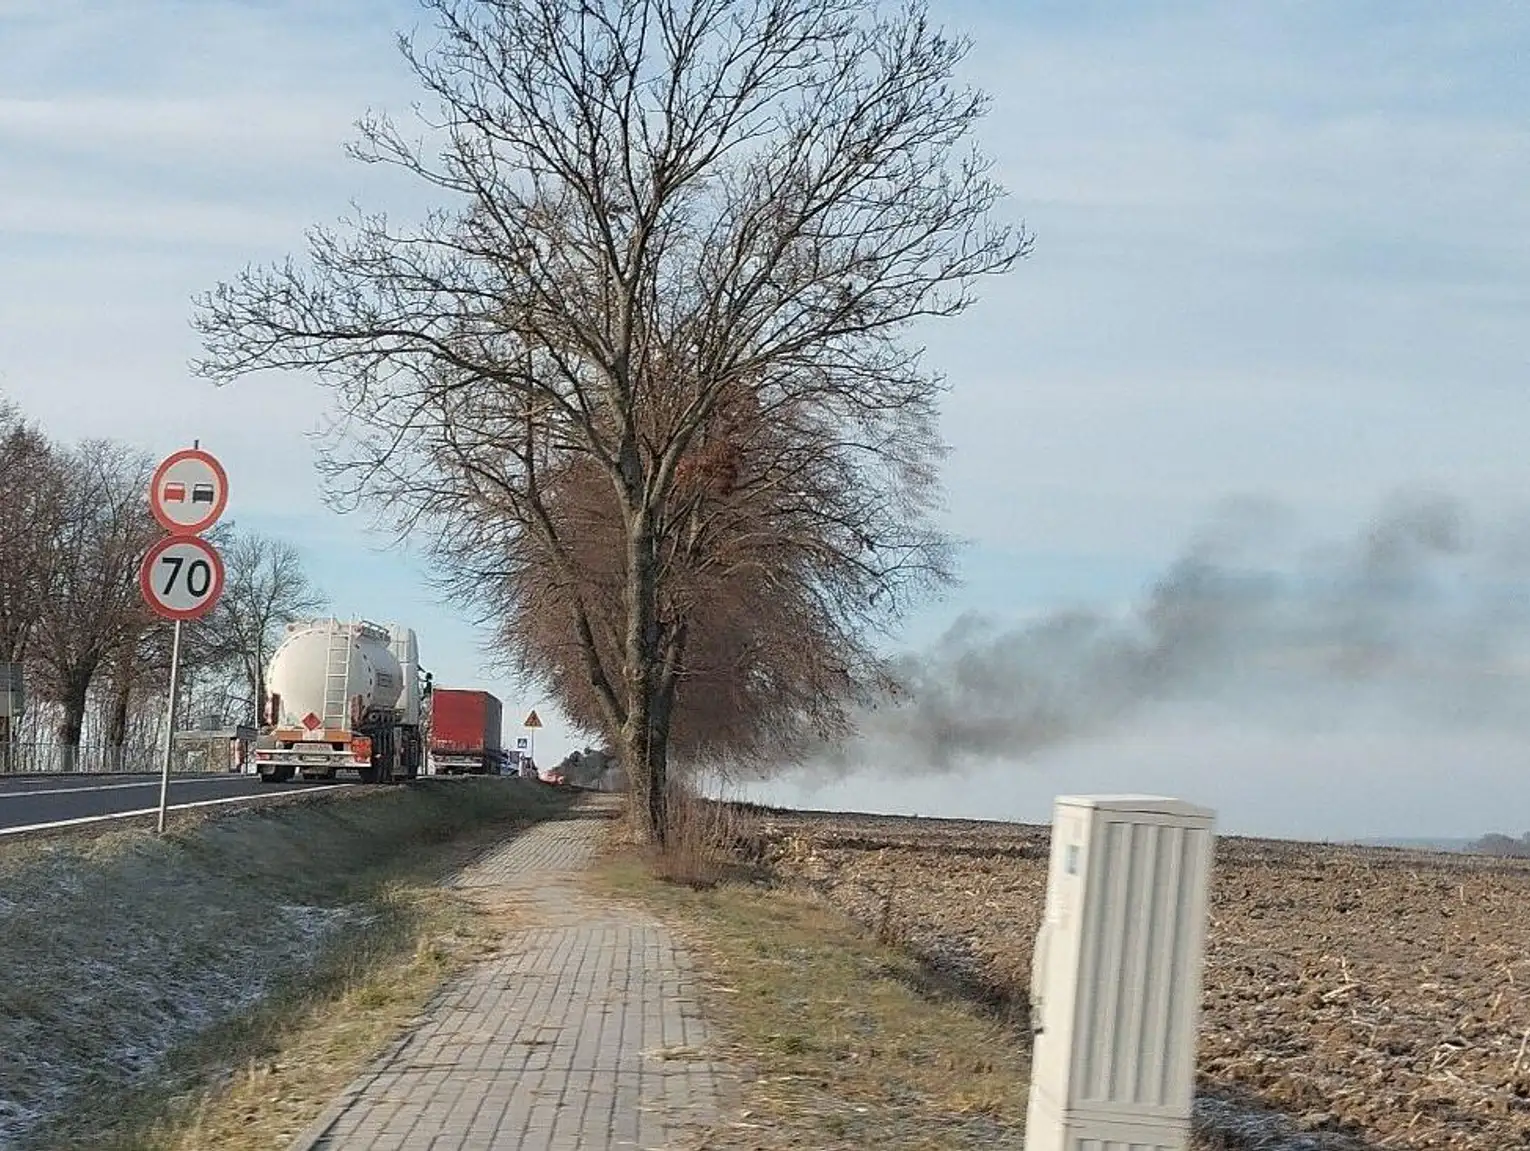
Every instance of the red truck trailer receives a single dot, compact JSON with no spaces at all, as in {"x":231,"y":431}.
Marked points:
{"x":465,"y":732}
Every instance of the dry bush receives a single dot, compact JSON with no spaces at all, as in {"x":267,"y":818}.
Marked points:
{"x":763,"y":659}
{"x":703,"y":847}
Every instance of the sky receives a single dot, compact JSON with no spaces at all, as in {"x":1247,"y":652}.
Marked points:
{"x":1282,"y":251}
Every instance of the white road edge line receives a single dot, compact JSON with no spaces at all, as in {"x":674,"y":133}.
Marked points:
{"x":155,"y":811}
{"x":23,"y":793}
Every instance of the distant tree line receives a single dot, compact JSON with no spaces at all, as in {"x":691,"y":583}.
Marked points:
{"x":74,"y":524}
{"x":1502,"y":845}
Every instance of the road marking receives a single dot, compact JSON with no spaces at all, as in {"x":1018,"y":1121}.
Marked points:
{"x":173,"y":807}
{"x":24,"y":792}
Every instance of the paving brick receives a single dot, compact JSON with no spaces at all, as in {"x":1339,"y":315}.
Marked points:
{"x":555,"y":1043}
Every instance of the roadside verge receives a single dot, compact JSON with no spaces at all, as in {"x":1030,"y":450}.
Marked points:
{"x":216,"y":986}
{"x":845,"y":1042}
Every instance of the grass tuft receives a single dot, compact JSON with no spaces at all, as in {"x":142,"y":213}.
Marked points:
{"x":701,"y":849}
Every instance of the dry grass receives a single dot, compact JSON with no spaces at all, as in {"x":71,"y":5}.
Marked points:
{"x":1371,"y":997}
{"x":701,"y":849}
{"x":844,"y":1041}
{"x":216,"y":987}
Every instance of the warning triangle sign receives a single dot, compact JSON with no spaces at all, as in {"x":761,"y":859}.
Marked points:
{"x":532,"y":720}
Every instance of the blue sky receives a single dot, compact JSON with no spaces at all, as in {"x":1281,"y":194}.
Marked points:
{"x":1282,"y":250}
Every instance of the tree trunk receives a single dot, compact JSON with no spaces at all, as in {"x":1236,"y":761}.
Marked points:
{"x":72,"y":725}
{"x":662,"y":710}
{"x":643,"y":757}
{"x":116,"y":734}
{"x":646,"y":744}
{"x":634,"y":756}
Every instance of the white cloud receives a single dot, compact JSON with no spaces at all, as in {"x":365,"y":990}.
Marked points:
{"x":225,"y":129}
{"x":75,"y":215}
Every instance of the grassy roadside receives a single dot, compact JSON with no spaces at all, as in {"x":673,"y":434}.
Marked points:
{"x":260,"y":1079}
{"x":843,"y":1041}
{"x":218,"y":987}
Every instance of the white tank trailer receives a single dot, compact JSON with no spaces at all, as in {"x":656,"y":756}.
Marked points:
{"x":342,"y":696}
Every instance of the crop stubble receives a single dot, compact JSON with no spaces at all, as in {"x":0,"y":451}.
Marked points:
{"x":1370,"y":990}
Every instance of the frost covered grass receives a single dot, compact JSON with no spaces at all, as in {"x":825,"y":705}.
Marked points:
{"x":142,"y":978}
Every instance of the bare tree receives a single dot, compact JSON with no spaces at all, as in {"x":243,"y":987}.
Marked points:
{"x":660,"y":208}
{"x":127,"y":673}
{"x":266,"y":587}
{"x":133,"y":680}
{"x":94,"y":607}
{"x":30,"y":505}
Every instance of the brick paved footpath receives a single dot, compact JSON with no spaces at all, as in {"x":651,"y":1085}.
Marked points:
{"x":584,"y":1032}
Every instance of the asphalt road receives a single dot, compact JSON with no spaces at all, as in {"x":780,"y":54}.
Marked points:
{"x":27,"y":801}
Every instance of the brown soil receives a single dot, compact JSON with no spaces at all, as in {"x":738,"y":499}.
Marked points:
{"x":1369,"y":996}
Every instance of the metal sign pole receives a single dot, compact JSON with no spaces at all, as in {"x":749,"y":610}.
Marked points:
{"x":164,"y":779}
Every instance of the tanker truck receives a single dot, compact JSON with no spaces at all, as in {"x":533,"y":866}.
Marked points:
{"x":343,"y":696}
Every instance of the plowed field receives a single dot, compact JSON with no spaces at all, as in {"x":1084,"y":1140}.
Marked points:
{"x":1353,"y":996}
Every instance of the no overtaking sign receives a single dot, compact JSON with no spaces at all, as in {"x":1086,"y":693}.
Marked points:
{"x":188,"y":492}
{"x":182,"y":576}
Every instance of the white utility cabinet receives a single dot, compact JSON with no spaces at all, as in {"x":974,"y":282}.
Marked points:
{"x":1116,"y":979}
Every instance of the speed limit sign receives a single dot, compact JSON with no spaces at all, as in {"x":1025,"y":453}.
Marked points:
{"x":181,"y":577}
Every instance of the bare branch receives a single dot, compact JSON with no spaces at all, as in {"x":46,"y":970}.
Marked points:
{"x":643,"y":378}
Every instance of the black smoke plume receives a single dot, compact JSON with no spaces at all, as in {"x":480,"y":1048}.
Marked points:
{"x":1421,"y":617}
